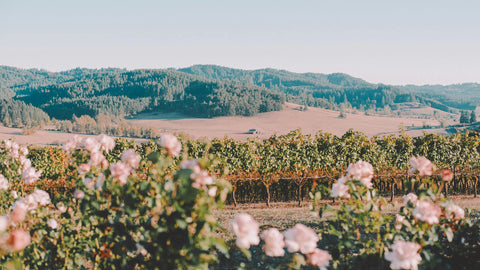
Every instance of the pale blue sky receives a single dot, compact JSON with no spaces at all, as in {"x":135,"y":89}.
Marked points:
{"x":394,"y":42}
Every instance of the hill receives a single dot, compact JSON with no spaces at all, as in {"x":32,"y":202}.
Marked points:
{"x":335,"y":91}
{"x":119,"y":93}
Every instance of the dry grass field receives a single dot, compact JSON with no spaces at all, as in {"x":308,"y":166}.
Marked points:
{"x":281,"y":122}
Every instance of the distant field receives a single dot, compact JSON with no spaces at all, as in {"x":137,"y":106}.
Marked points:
{"x":281,"y":122}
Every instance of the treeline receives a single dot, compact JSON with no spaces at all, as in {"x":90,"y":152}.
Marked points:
{"x":104,"y":124}
{"x":15,"y":113}
{"x":330,"y":91}
{"x":122,"y":94}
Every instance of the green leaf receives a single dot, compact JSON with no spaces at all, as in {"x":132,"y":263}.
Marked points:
{"x":154,"y":157}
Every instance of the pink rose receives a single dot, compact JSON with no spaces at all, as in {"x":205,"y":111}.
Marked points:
{"x":246,"y":229}
{"x":446,"y":175}
{"x":83,"y":168}
{"x":18,"y":240}
{"x":404,"y":255}
{"x":301,"y":238}
{"x":212,"y":191}
{"x":339,"y":189}
{"x":362,"y":171}
{"x":191,"y":164}
{"x":4,"y":223}
{"x":96,"y":158}
{"x":107,"y":143}
{"x":453,"y":211}
{"x":30,"y":176}
{"x":273,"y":243}
{"x":41,"y":197}
{"x":320,"y":258}
{"x":18,"y":213}
{"x":120,"y":172}
{"x":72,"y":144}
{"x":410,"y":197}
{"x":3,"y":183}
{"x":202,"y":179}
{"x":52,"y":223}
{"x":78,"y":194}
{"x":171,"y":144}
{"x":427,"y":212}
{"x":131,"y":158}
{"x":91,"y":144}
{"x":422,"y":165}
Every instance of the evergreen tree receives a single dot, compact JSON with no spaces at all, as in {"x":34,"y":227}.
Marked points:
{"x":473,"y":117}
{"x":464,"y":117}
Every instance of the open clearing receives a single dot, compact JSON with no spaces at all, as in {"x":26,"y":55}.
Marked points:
{"x":281,"y":122}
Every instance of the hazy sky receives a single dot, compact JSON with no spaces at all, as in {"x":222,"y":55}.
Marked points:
{"x":394,"y":42}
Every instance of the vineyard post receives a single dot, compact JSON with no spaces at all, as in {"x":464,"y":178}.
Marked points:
{"x":475,"y":187}
{"x":392,"y":194}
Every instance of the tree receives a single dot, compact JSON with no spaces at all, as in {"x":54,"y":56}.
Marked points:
{"x":464,"y":117}
{"x":473,"y":117}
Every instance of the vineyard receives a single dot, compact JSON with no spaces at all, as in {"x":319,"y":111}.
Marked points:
{"x":96,"y":203}
{"x":288,"y":167}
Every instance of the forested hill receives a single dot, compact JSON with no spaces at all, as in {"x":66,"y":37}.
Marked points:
{"x":117,"y":94}
{"x":328,"y":90}
{"x":463,"y":96}
{"x":209,"y":91}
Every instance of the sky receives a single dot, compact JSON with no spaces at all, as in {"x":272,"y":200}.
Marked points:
{"x":391,"y":42}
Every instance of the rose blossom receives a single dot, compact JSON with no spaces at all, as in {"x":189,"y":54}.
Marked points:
{"x":422,"y":165}
{"x":96,"y":158}
{"x":131,"y":158}
{"x":120,"y":172}
{"x":61,"y":207}
{"x":41,"y":197}
{"x":191,"y":164}
{"x":362,"y":171}
{"x":78,"y":194}
{"x":18,"y":240}
{"x":88,"y":182}
{"x":273,"y":243}
{"x":91,"y":144}
{"x":107,"y":143}
{"x":398,"y":222}
{"x":29,"y":175}
{"x":4,"y":222}
{"x":301,"y":238}
{"x":404,"y":255}
{"x":320,"y":258}
{"x":446,"y":175}
{"x":83,"y":168}
{"x":18,"y":213}
{"x":410,"y":197}
{"x":72,"y":144}
{"x":246,"y":229}
{"x":99,"y":182}
{"x":427,"y":211}
{"x":453,"y":211}
{"x":202,"y":179}
{"x":212,"y":191}
{"x":339,"y":189}
{"x":14,"y":194}
{"x":3,"y":183}
{"x":26,"y":163}
{"x":52,"y":223}
{"x":171,"y":144}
